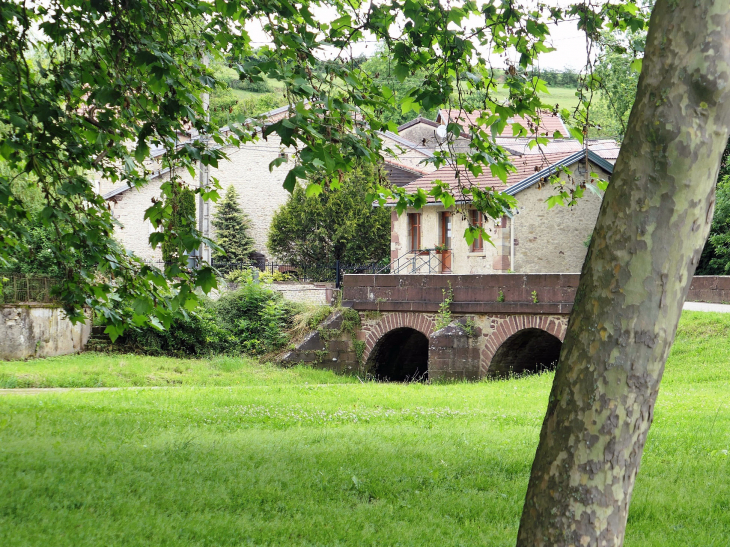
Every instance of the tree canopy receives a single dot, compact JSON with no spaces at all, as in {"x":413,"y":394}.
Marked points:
{"x":333,"y":225}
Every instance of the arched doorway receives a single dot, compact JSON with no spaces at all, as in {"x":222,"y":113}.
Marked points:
{"x":526,"y":351}
{"x":400,"y":355}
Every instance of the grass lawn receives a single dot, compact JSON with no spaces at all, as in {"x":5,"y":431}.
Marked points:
{"x":283,"y":462}
{"x":564,"y":97}
{"x":120,"y":370}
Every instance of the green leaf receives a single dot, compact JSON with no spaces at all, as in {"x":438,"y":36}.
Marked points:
{"x":401,"y":72}
{"x":313,"y":189}
{"x":276,"y":163}
{"x":447,"y":200}
{"x":206,"y":280}
{"x":290,"y":182}
{"x":576,"y":133}
{"x":141,"y":152}
{"x":552,"y":201}
{"x":141,"y":306}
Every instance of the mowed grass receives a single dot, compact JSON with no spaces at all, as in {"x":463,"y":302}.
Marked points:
{"x":129,"y":370}
{"x":291,"y":463}
{"x":564,"y":97}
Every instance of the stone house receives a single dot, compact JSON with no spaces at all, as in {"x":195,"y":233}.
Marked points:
{"x":260,"y":191}
{"x":529,"y":239}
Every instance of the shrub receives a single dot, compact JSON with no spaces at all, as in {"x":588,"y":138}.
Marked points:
{"x":246,"y":275}
{"x":253,"y":319}
{"x":257,"y":316}
{"x":248,"y":85}
{"x":196,"y":334}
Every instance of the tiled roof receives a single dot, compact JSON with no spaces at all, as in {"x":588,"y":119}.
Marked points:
{"x":416,"y":121}
{"x":278,"y":114}
{"x":549,"y":122}
{"x":424,"y":121}
{"x":405,"y":143}
{"x":527,"y":166}
{"x":405,"y":167}
{"x":606,"y":148}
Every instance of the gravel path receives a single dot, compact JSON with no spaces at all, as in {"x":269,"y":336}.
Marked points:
{"x":704,"y":306}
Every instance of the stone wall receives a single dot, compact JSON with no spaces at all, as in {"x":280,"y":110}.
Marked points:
{"x":462,"y":350}
{"x":260,"y":193}
{"x":129,"y":208}
{"x":499,"y":323}
{"x":554,"y":240}
{"x":308,"y":293}
{"x":329,"y":347}
{"x":710,"y":288}
{"x":39,"y":330}
{"x":463,"y":260}
{"x":495,"y":293}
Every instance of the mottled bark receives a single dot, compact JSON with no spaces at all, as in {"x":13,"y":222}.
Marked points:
{"x":653,"y":223}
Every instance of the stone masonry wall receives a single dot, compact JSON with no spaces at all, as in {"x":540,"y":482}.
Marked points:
{"x":309,"y":293}
{"x":39,"y":330}
{"x":461,"y":350}
{"x":487,"y":311}
{"x":260,"y":195}
{"x":328,"y":347}
{"x":554,"y":240}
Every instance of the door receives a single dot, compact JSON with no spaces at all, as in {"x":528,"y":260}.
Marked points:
{"x":445,"y":243}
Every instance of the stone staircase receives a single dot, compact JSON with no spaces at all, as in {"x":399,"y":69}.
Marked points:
{"x":99,"y":341}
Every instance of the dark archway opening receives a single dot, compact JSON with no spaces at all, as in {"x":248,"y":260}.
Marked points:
{"x":527,"y":351}
{"x":400,"y":356}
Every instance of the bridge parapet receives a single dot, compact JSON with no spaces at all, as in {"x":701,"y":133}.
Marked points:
{"x":497,"y":293}
{"x":490,"y":293}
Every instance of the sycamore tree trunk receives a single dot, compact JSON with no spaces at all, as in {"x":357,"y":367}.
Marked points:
{"x":648,"y":239}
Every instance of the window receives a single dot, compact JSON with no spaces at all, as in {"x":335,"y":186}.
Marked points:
{"x":414,"y":231}
{"x":446,"y":230}
{"x":477,"y":220}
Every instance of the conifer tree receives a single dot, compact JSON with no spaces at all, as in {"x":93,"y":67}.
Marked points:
{"x":182,"y":220}
{"x":231,"y":229}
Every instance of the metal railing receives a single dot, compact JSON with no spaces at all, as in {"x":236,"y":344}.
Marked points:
{"x":21,"y":288}
{"x":421,"y":261}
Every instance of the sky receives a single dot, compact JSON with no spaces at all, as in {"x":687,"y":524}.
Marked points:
{"x":569,"y":43}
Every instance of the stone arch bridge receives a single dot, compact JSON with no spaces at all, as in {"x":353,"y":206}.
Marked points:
{"x":499,"y":324}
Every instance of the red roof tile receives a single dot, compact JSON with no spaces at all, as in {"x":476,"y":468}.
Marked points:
{"x":526,"y":166}
{"x":549,"y":122}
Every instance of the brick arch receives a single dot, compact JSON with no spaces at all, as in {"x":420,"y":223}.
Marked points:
{"x":512,"y":325}
{"x":391,"y":321}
